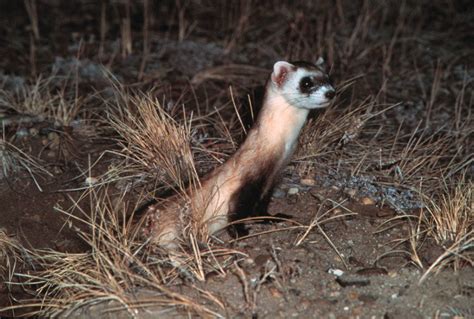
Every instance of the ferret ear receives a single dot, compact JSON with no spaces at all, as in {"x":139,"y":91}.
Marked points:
{"x":280,"y":72}
{"x":320,"y":63}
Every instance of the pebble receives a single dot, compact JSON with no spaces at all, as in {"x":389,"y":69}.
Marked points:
{"x":53,"y":136}
{"x":293,"y":191}
{"x":352,"y":295}
{"x":308,"y":182}
{"x":336,"y":272}
{"x":351,"y":192}
{"x":275,"y":292}
{"x":367,"y":201}
{"x":248,"y":262}
{"x":304,"y":304}
{"x":22,"y":132}
{"x":34,"y":131}
{"x":91,"y":181}
{"x":57,"y":170}
{"x":278,"y":193}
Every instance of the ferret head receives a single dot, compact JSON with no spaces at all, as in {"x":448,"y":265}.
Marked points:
{"x":303,"y":84}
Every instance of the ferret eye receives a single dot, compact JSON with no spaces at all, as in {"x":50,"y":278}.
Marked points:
{"x":306,"y":84}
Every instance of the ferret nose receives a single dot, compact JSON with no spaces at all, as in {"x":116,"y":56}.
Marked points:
{"x":330,"y":94}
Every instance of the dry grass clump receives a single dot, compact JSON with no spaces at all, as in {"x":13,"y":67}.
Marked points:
{"x":449,"y":218}
{"x":14,"y":160}
{"x":14,"y":259}
{"x":10,"y":256}
{"x":42,"y":100}
{"x":155,"y":147}
{"x":451,"y":214}
{"x":118,"y":272}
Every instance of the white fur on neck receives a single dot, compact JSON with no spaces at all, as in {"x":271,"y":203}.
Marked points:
{"x":282,"y":121}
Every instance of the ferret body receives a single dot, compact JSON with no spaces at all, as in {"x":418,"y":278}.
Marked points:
{"x":244,"y":183}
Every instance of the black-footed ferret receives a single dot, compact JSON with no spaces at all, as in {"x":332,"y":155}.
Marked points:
{"x":246,"y":179}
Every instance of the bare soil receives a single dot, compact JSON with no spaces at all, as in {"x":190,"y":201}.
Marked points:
{"x":356,"y":261}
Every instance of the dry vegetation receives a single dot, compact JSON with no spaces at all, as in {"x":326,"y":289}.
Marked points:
{"x":402,"y":119}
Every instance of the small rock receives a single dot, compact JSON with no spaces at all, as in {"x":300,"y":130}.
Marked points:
{"x":278,"y":193}
{"x":275,"y":292}
{"x":51,"y":154}
{"x":55,"y":141}
{"x":293,"y":191}
{"x":304,"y":304}
{"x":317,"y":195}
{"x":308,"y":182}
{"x":367,"y":201}
{"x":352,"y":280}
{"x":336,"y":272}
{"x":53,"y":136}
{"x":91,"y":181}
{"x":22,"y":132}
{"x":34,"y":131}
{"x":351,"y":192}
{"x":248,"y":262}
{"x":352,"y":295}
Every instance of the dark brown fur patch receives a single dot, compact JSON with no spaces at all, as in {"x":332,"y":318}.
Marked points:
{"x":253,"y":196}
